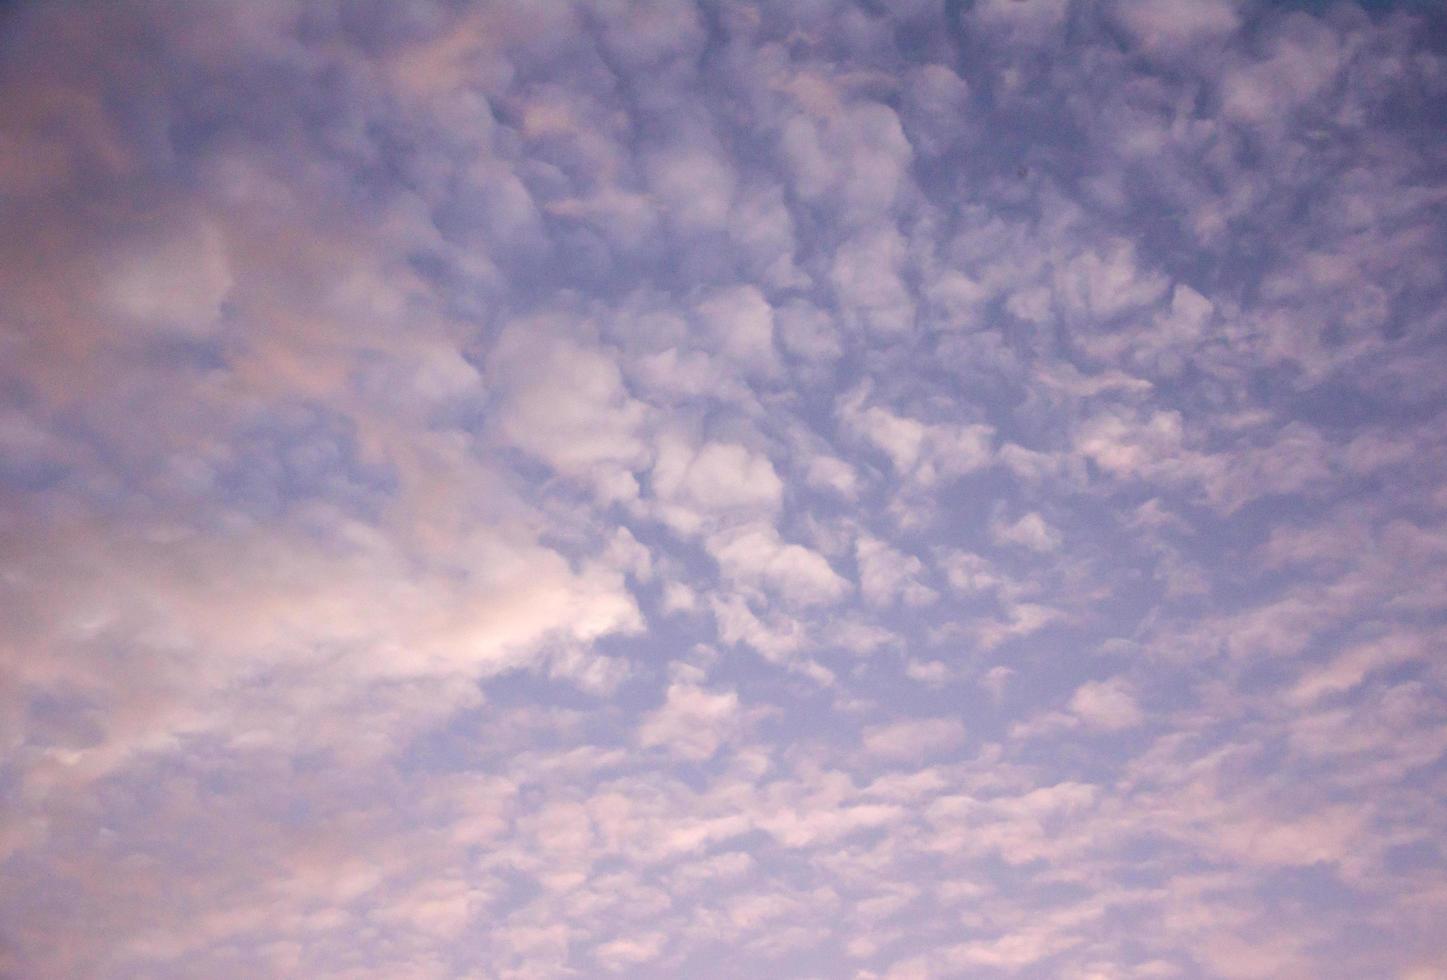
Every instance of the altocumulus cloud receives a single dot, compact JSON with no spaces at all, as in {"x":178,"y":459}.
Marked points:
{"x":877,"y":490}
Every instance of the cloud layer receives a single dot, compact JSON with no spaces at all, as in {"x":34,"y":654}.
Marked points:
{"x":661,"y":489}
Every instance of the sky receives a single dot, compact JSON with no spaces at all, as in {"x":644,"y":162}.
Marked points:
{"x":875,"y":489}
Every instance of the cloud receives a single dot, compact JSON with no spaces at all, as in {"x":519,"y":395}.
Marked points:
{"x":913,"y":740}
{"x":919,"y":451}
{"x":691,"y":723}
{"x":1107,"y":705}
{"x":714,"y":480}
{"x":176,"y":284}
{"x":996,"y":680}
{"x":933,"y":672}
{"x":868,"y":281}
{"x":1020,"y":619}
{"x":754,"y":553}
{"x":742,"y":324}
{"x":850,"y":156}
{"x":886,"y":574}
{"x":882,"y":490}
{"x":1030,"y":531}
{"x":1170,"y":27}
{"x":832,"y":473}
{"x":567,"y":405}
{"x":695,"y":187}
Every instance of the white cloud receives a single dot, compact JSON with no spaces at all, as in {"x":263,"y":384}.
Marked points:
{"x":741,"y":323}
{"x":1301,"y":60}
{"x":867,"y":275}
{"x":1130,"y":446}
{"x":996,"y":679}
{"x":695,"y":186}
{"x":970,"y":573}
{"x":1107,"y":705}
{"x":776,"y":639}
{"x":620,"y":954}
{"x":914,"y":739}
{"x":922,"y":451}
{"x":1021,"y":619}
{"x":567,"y":404}
{"x":692,"y":723}
{"x":754,"y":553}
{"x":1108,"y":281}
{"x":716,"y":479}
{"x":1030,"y":531}
{"x":832,"y":473}
{"x":933,"y":672}
{"x":807,"y":332}
{"x":886,"y":574}
{"x":855,"y":156}
{"x":678,"y":597}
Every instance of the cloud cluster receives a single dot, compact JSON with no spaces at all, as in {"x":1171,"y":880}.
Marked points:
{"x":665,"y":489}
